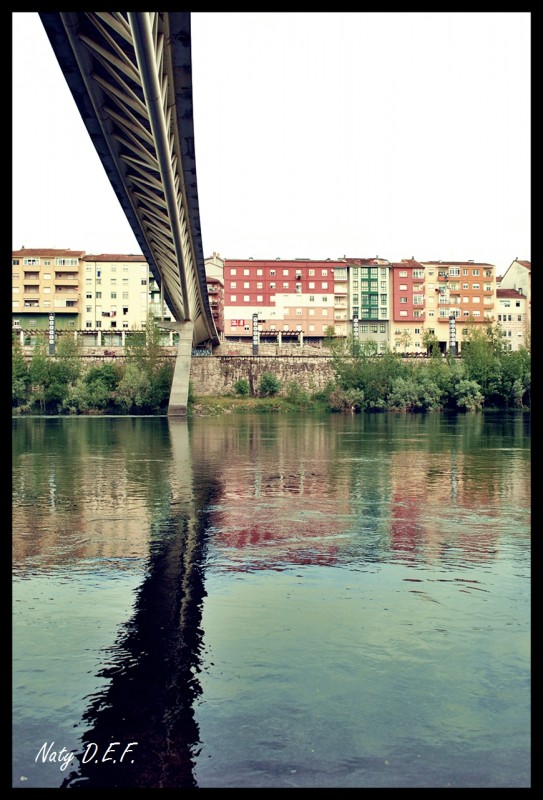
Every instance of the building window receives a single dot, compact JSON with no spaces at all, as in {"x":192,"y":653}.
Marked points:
{"x":144,"y":281}
{"x":234,"y":298}
{"x":324,"y":285}
{"x":246,"y":272}
{"x":324,"y":273}
{"x":285,"y":285}
{"x":113,"y":295}
{"x":233,"y":285}
{"x":246,"y":298}
{"x":246,"y":284}
{"x":98,"y":295}
{"x":98,"y":323}
{"x":232,"y":272}
{"x":259,"y":298}
{"x":65,"y":262}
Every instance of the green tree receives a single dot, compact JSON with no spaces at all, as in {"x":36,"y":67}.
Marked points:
{"x":95,"y":390}
{"x":415,"y":391}
{"x":431,"y":343}
{"x":468,"y":395}
{"x":356,"y":366}
{"x":133,"y":391}
{"x":20,"y":376}
{"x":481,"y":353}
{"x":329,"y":336}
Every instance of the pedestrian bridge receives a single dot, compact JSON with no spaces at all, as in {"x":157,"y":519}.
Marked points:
{"x":130,"y":74}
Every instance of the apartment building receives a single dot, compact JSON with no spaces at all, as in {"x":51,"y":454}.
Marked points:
{"x":90,"y":293}
{"x":298,"y":299}
{"x":408,"y":307}
{"x":214,"y":268}
{"x":513,"y":318}
{"x":116,"y":292}
{"x":368,"y":299}
{"x":518,"y":276}
{"x":46,"y":282}
{"x":458,"y":292}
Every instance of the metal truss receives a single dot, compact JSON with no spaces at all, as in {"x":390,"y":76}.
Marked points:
{"x":130,"y":74}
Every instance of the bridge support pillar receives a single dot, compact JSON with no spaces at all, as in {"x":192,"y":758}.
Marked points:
{"x":179,"y":392}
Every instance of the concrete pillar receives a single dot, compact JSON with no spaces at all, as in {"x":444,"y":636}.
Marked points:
{"x":179,"y":392}
{"x":99,"y":338}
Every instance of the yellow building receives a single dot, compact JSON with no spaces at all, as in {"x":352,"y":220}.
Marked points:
{"x":46,"y":282}
{"x":463,"y":291}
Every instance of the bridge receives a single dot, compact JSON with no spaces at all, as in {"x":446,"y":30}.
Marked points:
{"x":130,"y":74}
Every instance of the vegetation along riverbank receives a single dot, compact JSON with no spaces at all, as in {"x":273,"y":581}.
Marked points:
{"x":487,"y":375}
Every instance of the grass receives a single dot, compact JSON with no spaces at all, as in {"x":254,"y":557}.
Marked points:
{"x":213,"y":406}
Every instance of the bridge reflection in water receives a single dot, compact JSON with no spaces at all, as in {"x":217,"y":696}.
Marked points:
{"x":152,"y":678}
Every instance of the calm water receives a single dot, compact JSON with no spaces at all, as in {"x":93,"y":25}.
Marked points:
{"x":272,"y":601}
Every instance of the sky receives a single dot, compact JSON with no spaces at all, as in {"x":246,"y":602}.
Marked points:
{"x":317,"y":135}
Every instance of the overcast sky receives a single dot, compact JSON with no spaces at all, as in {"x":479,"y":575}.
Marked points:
{"x":317,"y":135}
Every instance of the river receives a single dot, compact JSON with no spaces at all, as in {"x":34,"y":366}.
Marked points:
{"x":272,"y":600}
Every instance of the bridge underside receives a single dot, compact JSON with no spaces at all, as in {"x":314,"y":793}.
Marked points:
{"x":130,"y":74}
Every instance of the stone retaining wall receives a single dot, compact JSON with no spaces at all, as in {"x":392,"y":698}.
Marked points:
{"x":216,"y":375}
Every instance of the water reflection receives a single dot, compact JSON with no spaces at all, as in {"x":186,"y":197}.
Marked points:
{"x":416,"y":488}
{"x":246,"y":564}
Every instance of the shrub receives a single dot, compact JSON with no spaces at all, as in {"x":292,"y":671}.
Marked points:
{"x":296,"y":395}
{"x":269,"y":385}
{"x":241,"y":387}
